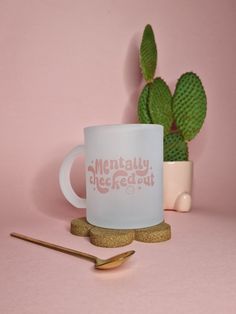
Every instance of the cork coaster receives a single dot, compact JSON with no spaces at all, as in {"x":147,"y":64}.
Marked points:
{"x":80,"y":227}
{"x":112,"y":238}
{"x":157,"y":233}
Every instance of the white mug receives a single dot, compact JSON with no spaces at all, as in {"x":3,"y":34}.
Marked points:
{"x":124,"y":175}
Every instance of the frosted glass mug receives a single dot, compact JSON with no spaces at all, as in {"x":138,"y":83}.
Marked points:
{"x":124,"y":184}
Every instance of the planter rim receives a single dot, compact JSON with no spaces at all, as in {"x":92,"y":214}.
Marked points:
{"x":179,"y":161}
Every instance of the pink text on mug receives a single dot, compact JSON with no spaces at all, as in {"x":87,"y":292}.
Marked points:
{"x":121,"y":173}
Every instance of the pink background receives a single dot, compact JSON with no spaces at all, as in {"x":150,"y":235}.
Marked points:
{"x":67,"y":64}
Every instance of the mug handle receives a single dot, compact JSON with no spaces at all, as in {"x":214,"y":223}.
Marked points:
{"x":64,"y":178}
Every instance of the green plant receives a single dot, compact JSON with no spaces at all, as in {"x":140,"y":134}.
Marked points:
{"x":182,"y":115}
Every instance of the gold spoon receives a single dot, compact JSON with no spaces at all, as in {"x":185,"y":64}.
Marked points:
{"x":109,"y":263}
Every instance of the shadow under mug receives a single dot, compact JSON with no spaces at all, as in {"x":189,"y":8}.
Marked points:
{"x":124,"y":175}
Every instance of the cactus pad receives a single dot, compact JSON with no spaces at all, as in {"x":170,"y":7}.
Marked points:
{"x":189,"y":105}
{"x":175,"y":148}
{"x":159,"y":104}
{"x":143,"y":111}
{"x":148,"y":54}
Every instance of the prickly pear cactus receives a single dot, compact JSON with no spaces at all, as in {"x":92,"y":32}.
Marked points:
{"x":148,"y":54}
{"x":159,"y":104}
{"x":186,"y":110}
{"x":189,"y":105}
{"x":143,"y":111}
{"x":175,"y":148}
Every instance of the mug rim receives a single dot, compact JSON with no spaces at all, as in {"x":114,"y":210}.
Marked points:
{"x":123,"y":125}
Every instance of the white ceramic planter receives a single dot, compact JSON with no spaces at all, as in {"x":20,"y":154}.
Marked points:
{"x":177,"y":185}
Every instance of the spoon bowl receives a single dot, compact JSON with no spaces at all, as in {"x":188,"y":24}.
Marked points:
{"x":104,"y":264}
{"x":113,"y":261}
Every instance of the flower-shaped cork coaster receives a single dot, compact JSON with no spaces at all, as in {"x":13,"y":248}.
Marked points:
{"x":112,"y":238}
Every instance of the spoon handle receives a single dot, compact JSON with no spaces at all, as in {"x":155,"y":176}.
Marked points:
{"x":54,"y":246}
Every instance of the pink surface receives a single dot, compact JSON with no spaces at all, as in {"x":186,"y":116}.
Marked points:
{"x":65,"y":65}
